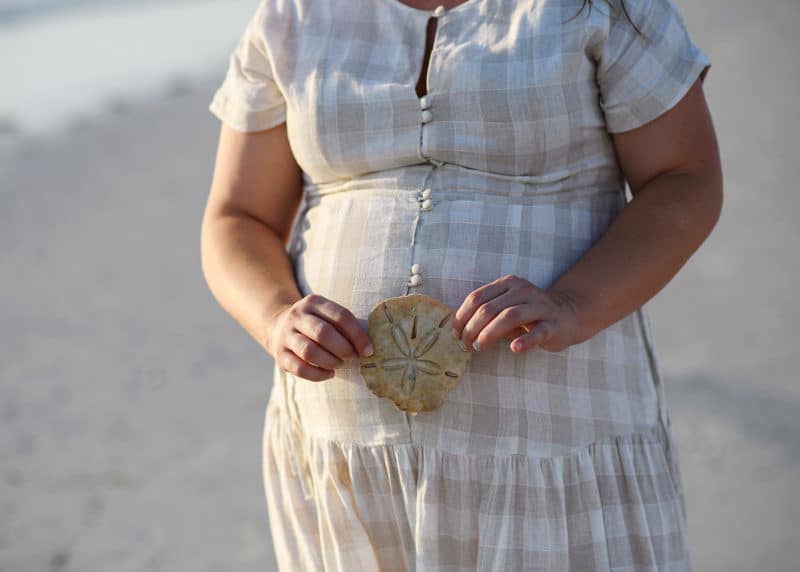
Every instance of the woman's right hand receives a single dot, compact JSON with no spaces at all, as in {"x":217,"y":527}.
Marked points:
{"x":313,"y":336}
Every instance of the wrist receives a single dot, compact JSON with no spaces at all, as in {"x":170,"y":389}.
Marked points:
{"x":268,"y":326}
{"x":575,"y":305}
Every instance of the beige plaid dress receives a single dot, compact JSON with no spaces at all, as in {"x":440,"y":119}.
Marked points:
{"x":543,"y":461}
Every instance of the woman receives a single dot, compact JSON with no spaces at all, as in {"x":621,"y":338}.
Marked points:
{"x":476,"y":152}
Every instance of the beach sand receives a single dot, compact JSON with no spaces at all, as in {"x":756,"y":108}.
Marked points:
{"x":132,"y":405}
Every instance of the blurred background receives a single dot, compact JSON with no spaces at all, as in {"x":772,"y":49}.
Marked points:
{"x":131,"y":404}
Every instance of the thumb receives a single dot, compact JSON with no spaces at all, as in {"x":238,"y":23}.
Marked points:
{"x":540,"y":333}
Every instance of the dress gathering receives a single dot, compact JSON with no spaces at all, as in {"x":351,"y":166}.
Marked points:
{"x":504,"y":165}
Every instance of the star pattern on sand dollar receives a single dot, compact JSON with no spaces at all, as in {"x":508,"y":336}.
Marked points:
{"x":411,"y":359}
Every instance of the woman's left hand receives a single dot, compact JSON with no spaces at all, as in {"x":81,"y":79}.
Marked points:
{"x":513,"y":308}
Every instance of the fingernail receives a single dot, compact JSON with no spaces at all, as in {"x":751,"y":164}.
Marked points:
{"x":463,"y":347}
{"x":476,"y":345}
{"x":369,"y":350}
{"x":454,"y":332}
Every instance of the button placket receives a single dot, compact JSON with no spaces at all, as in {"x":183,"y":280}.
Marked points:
{"x":426,"y":116}
{"x":424,"y":200}
{"x":425,"y":204}
{"x":415,"y":278}
{"x":423,"y":196}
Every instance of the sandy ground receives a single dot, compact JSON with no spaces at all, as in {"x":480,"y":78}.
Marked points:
{"x":131,"y":405}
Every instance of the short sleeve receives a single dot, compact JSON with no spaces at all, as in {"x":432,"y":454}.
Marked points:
{"x":249,"y":98}
{"x":640,"y":78}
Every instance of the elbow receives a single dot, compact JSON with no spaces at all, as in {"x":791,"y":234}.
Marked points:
{"x":711,"y":185}
{"x":208,"y":228}
{"x":701,"y":207}
{"x":690,"y":201}
{"x":709,"y":188}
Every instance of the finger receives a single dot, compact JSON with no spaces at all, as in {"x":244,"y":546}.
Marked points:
{"x":487,"y":312}
{"x":289,"y":361}
{"x":310,"y":351}
{"x":474,"y":300}
{"x":510,"y":319}
{"x":539,"y":334}
{"x":514,"y":334}
{"x":344,"y":321}
{"x":325,"y":334}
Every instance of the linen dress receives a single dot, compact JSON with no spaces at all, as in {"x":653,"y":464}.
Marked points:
{"x":537,"y":460}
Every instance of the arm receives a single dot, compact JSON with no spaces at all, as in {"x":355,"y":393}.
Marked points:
{"x":255,"y":191}
{"x":673,"y":168}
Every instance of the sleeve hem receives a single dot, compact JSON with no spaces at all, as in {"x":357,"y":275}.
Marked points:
{"x":246,"y":120}
{"x":649,"y":107}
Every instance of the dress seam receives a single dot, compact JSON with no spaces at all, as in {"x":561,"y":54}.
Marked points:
{"x":651,"y":435}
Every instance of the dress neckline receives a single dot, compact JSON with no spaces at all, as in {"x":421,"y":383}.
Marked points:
{"x":432,"y":10}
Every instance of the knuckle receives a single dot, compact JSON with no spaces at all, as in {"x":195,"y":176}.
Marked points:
{"x":318,"y":329}
{"x":487,"y":310}
{"x":313,"y":299}
{"x":324,"y":331}
{"x":513,"y":313}
{"x":339,"y":316}
{"x":304,"y":351}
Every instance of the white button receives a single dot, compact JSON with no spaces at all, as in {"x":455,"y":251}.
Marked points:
{"x":427,"y":204}
{"x":439,"y":11}
{"x":426,"y":116}
{"x":423,"y":102}
{"x":415,"y":280}
{"x":415,"y":269}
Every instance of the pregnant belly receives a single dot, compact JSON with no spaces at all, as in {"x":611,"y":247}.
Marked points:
{"x":357,"y":248}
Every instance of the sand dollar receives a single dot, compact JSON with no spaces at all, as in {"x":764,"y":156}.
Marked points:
{"x":416,"y":360}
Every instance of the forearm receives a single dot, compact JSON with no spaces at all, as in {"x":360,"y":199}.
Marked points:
{"x":248,"y":271}
{"x":641,"y":250}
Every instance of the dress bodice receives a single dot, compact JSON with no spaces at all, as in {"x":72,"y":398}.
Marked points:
{"x":505,"y":165}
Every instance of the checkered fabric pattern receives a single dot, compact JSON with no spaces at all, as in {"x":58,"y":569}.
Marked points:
{"x":536,"y":461}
